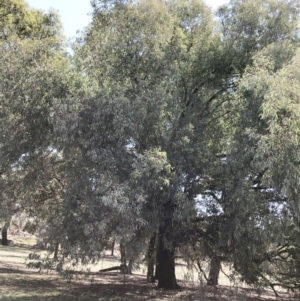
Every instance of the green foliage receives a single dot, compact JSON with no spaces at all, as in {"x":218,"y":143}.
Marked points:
{"x":17,"y":19}
{"x":249,"y":26}
{"x":268,"y":135}
{"x":35,"y":74}
{"x":40,"y":262}
{"x":160,"y":104}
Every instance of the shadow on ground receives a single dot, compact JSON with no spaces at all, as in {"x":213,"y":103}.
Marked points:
{"x":20,"y":284}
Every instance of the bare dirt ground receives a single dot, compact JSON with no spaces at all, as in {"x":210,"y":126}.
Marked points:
{"x":17,"y":283}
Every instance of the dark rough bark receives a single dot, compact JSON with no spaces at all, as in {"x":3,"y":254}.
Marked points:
{"x":166,"y":261}
{"x":151,"y":259}
{"x":215,"y":267}
{"x":4,"y":240}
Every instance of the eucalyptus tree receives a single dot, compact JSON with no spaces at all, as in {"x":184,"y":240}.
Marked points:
{"x":248,"y":27}
{"x":151,"y":135}
{"x":35,"y":72}
{"x":146,"y":135}
{"x":271,"y":85}
{"x":255,"y":224}
{"x":156,"y":108}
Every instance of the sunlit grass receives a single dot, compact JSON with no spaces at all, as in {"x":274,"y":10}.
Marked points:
{"x":13,"y":254}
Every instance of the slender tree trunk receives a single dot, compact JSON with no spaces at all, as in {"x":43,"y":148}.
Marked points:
{"x":4,"y":240}
{"x":156,"y":259}
{"x":129,"y":266}
{"x":151,"y":259}
{"x":113,"y":247}
{"x":55,"y":256}
{"x":125,"y":269}
{"x":215,"y":267}
{"x":123,"y":258}
{"x":166,"y":261}
{"x":156,"y":266}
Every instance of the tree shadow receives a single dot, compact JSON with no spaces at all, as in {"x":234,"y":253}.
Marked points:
{"x":8,"y":270}
{"x":225,"y":293}
{"x":11,"y":256}
{"x":59,"y":297}
{"x":16,"y":248}
{"x":107,"y":286}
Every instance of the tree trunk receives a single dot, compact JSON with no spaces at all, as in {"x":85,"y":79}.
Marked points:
{"x":129,"y":266}
{"x":4,"y":240}
{"x":156,"y":275}
{"x":123,"y":258}
{"x":55,"y":256}
{"x":166,"y":261}
{"x":215,"y":267}
{"x":125,"y":269}
{"x":156,"y":260}
{"x":113,"y":247}
{"x":151,"y":259}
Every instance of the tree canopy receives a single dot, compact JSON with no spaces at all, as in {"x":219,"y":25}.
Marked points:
{"x":166,"y":122}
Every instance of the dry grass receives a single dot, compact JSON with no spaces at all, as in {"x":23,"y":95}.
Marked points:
{"x":20,"y":284}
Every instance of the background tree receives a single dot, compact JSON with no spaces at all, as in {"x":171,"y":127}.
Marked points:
{"x":27,"y":23}
{"x":35,"y":73}
{"x":275,"y":163}
{"x":252,"y":208}
{"x":230,"y":198}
